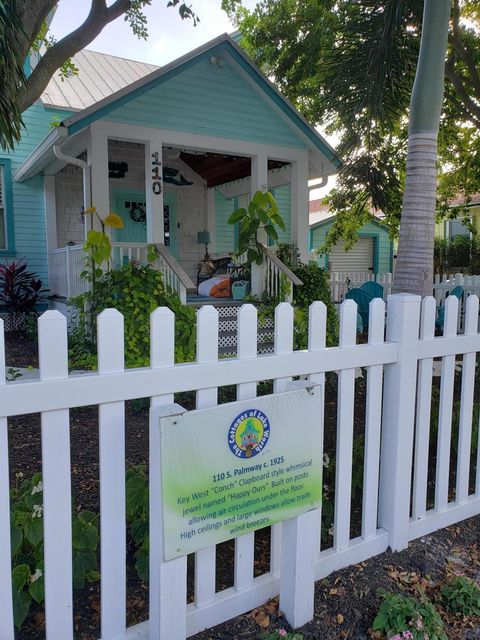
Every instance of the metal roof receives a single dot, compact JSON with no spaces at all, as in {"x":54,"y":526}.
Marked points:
{"x":100,"y":75}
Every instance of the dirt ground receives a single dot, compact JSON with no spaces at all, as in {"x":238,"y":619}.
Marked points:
{"x":346,"y":602}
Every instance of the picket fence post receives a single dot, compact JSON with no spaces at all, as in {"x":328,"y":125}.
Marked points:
{"x":403,"y":318}
{"x":168,"y":580}
{"x":6,"y":603}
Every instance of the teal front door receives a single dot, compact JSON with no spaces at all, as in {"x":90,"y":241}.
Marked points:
{"x":131,"y":208}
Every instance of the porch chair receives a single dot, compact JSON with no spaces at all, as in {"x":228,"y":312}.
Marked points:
{"x":362,"y":298}
{"x":458,"y":293}
{"x":373,"y":289}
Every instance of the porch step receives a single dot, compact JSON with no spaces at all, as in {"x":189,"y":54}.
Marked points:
{"x":231,"y":351}
{"x":228,"y":331}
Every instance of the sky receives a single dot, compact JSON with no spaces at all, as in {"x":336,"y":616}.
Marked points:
{"x":169,"y":35}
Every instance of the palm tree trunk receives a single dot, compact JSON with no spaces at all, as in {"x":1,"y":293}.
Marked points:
{"x":414,"y":266}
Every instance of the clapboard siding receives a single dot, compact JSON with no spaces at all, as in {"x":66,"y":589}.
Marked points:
{"x":204,"y":99}
{"x":382,"y":244}
{"x":28,"y":197}
{"x":283,"y":196}
{"x":224,"y":232}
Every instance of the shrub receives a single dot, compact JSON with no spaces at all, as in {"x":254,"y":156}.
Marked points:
{"x":402,"y":617}
{"x":26,"y":502}
{"x":461,"y":595}
{"x":137,"y":516}
{"x":315,"y":287}
{"x":135,"y":291}
{"x":20,"y":290}
{"x":460,"y":254}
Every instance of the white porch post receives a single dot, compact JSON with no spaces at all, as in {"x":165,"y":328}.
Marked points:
{"x":300,"y":203}
{"x":98,"y":161}
{"x":259,"y":182}
{"x":50,"y":212}
{"x":154,"y":189}
{"x":210,"y":198}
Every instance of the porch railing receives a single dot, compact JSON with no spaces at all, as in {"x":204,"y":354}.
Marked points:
{"x":279,"y":280}
{"x":173,"y":273}
{"x":65,"y":266}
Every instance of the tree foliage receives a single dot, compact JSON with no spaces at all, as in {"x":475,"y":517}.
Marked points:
{"x":350,"y":67}
{"x":24,"y":29}
{"x":11,"y":66}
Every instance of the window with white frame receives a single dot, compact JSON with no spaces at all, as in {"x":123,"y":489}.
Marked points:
{"x":456,"y":228}
{"x":3,"y":211}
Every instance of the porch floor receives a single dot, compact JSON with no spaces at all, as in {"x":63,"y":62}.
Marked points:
{"x":197,"y":301}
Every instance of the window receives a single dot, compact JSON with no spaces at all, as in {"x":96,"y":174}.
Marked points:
{"x":456,"y":228}
{"x":6,"y":225}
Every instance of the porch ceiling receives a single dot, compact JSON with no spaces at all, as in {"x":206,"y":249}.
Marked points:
{"x":217,"y":169}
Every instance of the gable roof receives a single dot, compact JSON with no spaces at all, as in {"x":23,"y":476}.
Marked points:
{"x":316,"y":224}
{"x":77,"y":122}
{"x":99,"y":76}
{"x":80,"y":120}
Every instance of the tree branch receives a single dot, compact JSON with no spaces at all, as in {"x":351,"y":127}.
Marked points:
{"x":469,"y":62}
{"x":459,"y":87}
{"x":99,"y":16}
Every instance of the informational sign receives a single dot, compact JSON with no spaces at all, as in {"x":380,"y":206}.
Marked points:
{"x":238,"y":467}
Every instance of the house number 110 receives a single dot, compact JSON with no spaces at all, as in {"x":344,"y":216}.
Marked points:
{"x":156,"y":174}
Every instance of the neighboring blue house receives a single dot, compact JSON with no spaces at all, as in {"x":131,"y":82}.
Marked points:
{"x":172,"y":150}
{"x":372,"y":252}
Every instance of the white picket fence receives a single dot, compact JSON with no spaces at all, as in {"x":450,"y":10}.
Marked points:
{"x":397,"y":426}
{"x":443,"y":284}
{"x":342,"y":282}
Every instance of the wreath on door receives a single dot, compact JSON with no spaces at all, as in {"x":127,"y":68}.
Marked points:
{"x":137,"y":213}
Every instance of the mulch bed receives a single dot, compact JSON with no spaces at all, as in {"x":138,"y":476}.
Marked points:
{"x":345,"y":602}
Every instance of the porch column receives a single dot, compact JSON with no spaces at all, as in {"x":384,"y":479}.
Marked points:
{"x":97,"y":153}
{"x":210,"y":197}
{"x":259,"y":182}
{"x":50,"y":212}
{"x":300,"y":202}
{"x":154,"y":189}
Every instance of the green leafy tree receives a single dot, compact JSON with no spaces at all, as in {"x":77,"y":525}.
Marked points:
{"x":24,"y":28}
{"x":350,"y":66}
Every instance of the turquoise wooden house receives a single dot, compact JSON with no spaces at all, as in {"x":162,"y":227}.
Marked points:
{"x":172,"y":150}
{"x":373,"y":252}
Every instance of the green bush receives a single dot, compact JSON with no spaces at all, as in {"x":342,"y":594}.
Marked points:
{"x":137,"y":516}
{"x":135,"y":291}
{"x":401,"y":616}
{"x":461,"y":595}
{"x":26,"y":500}
{"x":461,"y":254}
{"x":26,"y":504}
{"x":315,"y":288}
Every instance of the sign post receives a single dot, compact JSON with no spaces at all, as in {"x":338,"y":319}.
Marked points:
{"x":235,"y":468}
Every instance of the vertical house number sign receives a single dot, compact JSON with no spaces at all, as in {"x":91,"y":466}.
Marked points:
{"x":156,"y":174}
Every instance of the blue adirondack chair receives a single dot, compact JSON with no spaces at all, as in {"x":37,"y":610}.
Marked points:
{"x":458,"y":293}
{"x":362,"y":298}
{"x":373,"y":288}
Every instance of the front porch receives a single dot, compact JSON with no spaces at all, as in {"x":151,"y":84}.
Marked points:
{"x":168,"y":195}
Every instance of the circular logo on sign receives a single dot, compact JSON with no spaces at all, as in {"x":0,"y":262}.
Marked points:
{"x":248,"y":433}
